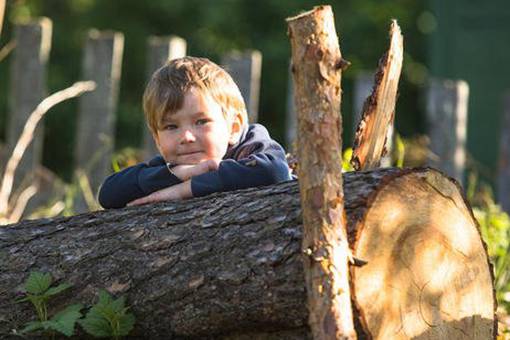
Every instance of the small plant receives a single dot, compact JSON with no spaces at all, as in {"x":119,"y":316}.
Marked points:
{"x":38,"y":291}
{"x":108,"y":318}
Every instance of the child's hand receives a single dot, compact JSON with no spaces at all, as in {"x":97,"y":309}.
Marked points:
{"x":185,"y":172}
{"x":173,"y":193}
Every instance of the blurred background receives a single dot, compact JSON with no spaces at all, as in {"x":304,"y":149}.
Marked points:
{"x":461,"y":46}
{"x":458,"y":40}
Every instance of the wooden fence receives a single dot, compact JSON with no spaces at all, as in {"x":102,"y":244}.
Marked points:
{"x":102,"y":60}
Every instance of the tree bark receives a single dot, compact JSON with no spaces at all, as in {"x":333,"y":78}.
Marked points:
{"x":229,"y":266}
{"x":316,"y":60}
{"x":376,"y":125}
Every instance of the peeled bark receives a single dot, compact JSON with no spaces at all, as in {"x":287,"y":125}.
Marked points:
{"x":376,"y":125}
{"x":316,"y":73}
{"x":229,"y":265}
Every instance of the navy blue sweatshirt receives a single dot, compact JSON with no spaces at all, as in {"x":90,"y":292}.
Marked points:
{"x":255,"y":160}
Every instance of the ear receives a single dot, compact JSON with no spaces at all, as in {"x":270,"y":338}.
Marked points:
{"x":236,"y":128}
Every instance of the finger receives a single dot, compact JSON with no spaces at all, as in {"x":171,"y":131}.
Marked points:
{"x":213,"y":164}
{"x":140,"y":201}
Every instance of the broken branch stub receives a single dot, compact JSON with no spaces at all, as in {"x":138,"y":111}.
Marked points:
{"x":379,"y":109}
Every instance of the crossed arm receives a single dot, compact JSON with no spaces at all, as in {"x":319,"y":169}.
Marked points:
{"x":181,"y":190}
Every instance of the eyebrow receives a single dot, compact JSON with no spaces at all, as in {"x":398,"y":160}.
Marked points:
{"x":169,"y":116}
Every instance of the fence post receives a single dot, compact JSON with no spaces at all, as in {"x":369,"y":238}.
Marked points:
{"x":96,"y":117}
{"x":447,"y":105}
{"x":159,"y":50}
{"x":504,"y":157}
{"x":291,"y":117}
{"x":245,"y":69}
{"x":363,"y":83}
{"x":28,"y":89}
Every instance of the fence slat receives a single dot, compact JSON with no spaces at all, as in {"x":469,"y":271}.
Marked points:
{"x":245,"y":69}
{"x":28,"y":89}
{"x":159,"y":50}
{"x":363,"y":83}
{"x":447,"y":105}
{"x":503,"y":189}
{"x":291,"y":117}
{"x":96,"y":117}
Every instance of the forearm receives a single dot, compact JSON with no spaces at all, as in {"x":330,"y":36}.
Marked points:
{"x":173,"y":193}
{"x":256,"y":170}
{"x":133,"y":183}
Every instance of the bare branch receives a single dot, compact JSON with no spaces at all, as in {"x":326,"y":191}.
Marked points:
{"x":7,"y":48}
{"x":2,"y":12}
{"x":28,"y":134}
{"x":21,"y":203}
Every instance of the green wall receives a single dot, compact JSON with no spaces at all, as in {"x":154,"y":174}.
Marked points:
{"x":472,"y":42}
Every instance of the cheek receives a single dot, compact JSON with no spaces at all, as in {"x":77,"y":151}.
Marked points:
{"x":167,"y":145}
{"x":217,"y":142}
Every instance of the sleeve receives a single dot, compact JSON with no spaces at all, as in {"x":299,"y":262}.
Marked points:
{"x":135,"y":182}
{"x":257,"y":162}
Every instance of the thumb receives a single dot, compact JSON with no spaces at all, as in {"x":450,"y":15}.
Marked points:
{"x":213,"y":164}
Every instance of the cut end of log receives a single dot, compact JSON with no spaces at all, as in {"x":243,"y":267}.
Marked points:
{"x":427,"y":275}
{"x":310,"y":12}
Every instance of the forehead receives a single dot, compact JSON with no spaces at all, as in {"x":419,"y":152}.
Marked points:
{"x":195,"y":102}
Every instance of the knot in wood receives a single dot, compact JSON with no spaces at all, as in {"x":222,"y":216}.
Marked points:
{"x":342,"y":64}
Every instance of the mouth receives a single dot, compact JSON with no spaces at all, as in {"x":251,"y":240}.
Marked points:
{"x":189,"y":153}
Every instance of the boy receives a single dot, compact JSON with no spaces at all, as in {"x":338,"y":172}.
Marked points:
{"x":198,"y":120}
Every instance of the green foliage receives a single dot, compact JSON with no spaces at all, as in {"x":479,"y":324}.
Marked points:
{"x":124,"y":158}
{"x":108,"y":318}
{"x":62,"y":322}
{"x":38,"y":291}
{"x":400,"y":151}
{"x":346,"y":160}
{"x":495,"y":227}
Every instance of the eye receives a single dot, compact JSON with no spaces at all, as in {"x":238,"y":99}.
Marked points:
{"x":169,"y":127}
{"x":203,"y":121}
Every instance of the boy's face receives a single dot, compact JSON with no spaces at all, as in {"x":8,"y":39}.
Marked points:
{"x":196,"y":132}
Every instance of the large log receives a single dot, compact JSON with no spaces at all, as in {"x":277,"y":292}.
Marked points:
{"x":230,"y":266}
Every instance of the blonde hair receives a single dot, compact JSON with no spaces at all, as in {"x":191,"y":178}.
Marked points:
{"x":165,"y":91}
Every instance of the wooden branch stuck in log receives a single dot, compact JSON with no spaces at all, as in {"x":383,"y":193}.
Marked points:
{"x":316,"y":76}
{"x":229,"y":265}
{"x":379,"y":108}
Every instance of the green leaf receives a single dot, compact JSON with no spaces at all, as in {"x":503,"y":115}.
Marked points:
{"x":126,"y":324}
{"x":104,"y":298}
{"x":65,"y":320}
{"x":38,"y":283}
{"x":96,"y":325}
{"x":118,"y":305}
{"x":55,"y":290}
{"x":26,"y":298}
{"x":32,"y":326}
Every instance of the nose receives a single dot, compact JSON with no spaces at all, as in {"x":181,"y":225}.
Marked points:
{"x":188,"y":137}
